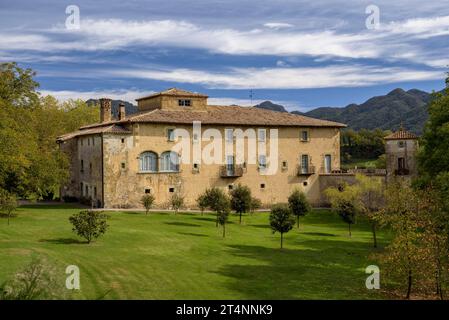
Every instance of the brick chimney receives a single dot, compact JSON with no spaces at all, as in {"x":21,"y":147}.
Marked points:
{"x":105,"y":110}
{"x":121,"y":111}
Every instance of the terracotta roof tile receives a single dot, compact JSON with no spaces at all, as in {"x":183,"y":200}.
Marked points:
{"x":231,"y":115}
{"x":401,"y":135}
{"x":114,"y":129}
{"x":174,"y":92}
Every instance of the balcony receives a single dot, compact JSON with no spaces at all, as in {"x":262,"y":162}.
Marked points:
{"x":231,"y":171}
{"x":402,"y":172}
{"x":305,"y":170}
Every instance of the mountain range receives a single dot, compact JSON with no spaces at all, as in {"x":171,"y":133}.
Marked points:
{"x":386,"y":112}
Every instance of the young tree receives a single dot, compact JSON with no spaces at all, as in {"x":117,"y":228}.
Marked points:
{"x":255,"y":204}
{"x":212,"y":198}
{"x":241,"y":200}
{"x":89,"y":224}
{"x":147,"y":201}
{"x":202,"y":202}
{"x":8,"y":203}
{"x":281,"y":220}
{"x":298,"y":203}
{"x":176,"y":202}
{"x":371,"y":198}
{"x":345,"y":202}
{"x":223,"y":207}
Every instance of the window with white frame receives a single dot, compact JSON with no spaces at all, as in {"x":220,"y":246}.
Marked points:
{"x":148,"y":162}
{"x":262,"y":161}
{"x":169,"y":161}
{"x":184,"y":102}
{"x":171,"y":134}
{"x":261,"y":135}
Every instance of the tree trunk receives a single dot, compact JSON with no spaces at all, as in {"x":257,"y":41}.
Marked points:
{"x":240,"y":218}
{"x":349,"y":228}
{"x":224,"y":230}
{"x":9,"y":215}
{"x":216,"y":220}
{"x":298,"y":221}
{"x":409,"y":286}
{"x":282,"y":239}
{"x":373,"y":225}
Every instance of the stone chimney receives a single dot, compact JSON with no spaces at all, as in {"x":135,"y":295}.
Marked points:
{"x":105,"y":110}
{"x":121,"y":111}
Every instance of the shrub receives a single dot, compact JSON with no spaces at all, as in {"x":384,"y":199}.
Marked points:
{"x":69,"y":199}
{"x":298,"y":203}
{"x":255,"y":204}
{"x":176,"y":202}
{"x":241,"y":199}
{"x":347,"y":211}
{"x":147,"y":201}
{"x":213,"y":198}
{"x":38,"y":280}
{"x":89,"y":224}
{"x":281,"y":219}
{"x":202,"y":202}
{"x":8,"y":203}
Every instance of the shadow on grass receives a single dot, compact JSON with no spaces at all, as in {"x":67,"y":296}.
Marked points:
{"x":193,"y":234}
{"x":5,"y":215}
{"x":263,"y":226}
{"x":325,"y":269}
{"x":205,"y":218}
{"x":183,"y":224}
{"x":63,"y":241}
{"x":320,"y":234}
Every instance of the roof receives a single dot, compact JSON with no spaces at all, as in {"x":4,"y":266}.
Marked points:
{"x":225,"y":115}
{"x":174,"y":92}
{"x":401,"y":135}
{"x":112,"y":128}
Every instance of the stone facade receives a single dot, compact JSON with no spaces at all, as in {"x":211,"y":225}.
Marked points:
{"x":105,"y":157}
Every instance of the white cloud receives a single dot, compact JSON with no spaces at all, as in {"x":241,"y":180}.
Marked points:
{"x":286,"y":78}
{"x":125,"y":95}
{"x":278,"y":25}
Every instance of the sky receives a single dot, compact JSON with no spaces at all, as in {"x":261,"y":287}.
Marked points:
{"x":301,"y":54}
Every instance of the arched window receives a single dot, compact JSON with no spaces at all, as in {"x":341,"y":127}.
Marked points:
{"x":169,"y":161}
{"x":148,"y":162}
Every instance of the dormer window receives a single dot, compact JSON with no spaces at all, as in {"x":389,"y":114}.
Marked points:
{"x":184,"y":103}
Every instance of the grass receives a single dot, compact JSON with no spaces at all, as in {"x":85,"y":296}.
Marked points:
{"x":359,"y":163}
{"x":167,"y":256}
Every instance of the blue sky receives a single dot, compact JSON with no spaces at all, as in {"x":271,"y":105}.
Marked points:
{"x":302,"y":54}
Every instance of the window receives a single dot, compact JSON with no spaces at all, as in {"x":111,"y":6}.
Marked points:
{"x":304,"y":163}
{"x":148,"y":162}
{"x":171,"y":134}
{"x":82,"y":141}
{"x":147,"y":190}
{"x":123,"y":140}
{"x":305,"y":183}
{"x":93,"y":141}
{"x":123,"y":165}
{"x":284,"y":164}
{"x":230,"y":187}
{"x":401,"y":144}
{"x":95,"y":192}
{"x":327,"y":163}
{"x":401,"y":163}
{"x":169,"y":161}
{"x":261,"y":135}
{"x":229,"y":135}
{"x":88,"y":141}
{"x":82,"y":165}
{"x":87,"y":191}
{"x":90,"y":167}
{"x":81,"y":188}
{"x":304,"y":135}
{"x":184,"y":103}
{"x":196,"y":167}
{"x":262,"y":161}
{"x":171,"y":190}
{"x":262,"y":186}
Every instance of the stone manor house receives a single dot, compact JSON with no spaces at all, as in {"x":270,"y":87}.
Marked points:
{"x":117,"y":161}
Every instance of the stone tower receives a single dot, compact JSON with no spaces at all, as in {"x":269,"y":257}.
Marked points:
{"x":105,"y":110}
{"x":400,"y":149}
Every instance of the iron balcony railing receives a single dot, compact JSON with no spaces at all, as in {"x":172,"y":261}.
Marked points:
{"x":305,"y":170}
{"x":231,"y":171}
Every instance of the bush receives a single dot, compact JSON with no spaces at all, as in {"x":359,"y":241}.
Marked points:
{"x":255,"y":204}
{"x":202,"y":202}
{"x":89,"y":224}
{"x":281,"y":219}
{"x":37,"y":281}
{"x":176,"y":202}
{"x":241,"y":199}
{"x":147,"y":201}
{"x":298,"y":203}
{"x":70,"y":199}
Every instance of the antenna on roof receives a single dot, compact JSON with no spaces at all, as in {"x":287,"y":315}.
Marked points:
{"x":251,"y":96}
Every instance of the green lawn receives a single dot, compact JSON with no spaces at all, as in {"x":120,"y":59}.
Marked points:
{"x":167,"y":256}
{"x":359,"y":163}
